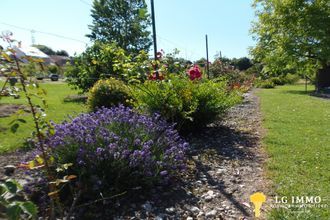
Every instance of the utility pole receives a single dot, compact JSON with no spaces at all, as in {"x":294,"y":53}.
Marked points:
{"x":33,"y":39}
{"x":154,"y":35}
{"x":207,"y":56}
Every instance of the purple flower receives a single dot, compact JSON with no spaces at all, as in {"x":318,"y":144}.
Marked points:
{"x":163,"y":173}
{"x":119,"y":140}
{"x":99,"y":151}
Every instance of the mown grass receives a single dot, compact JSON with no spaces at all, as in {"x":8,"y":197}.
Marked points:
{"x":57,"y":111}
{"x":298,"y":145}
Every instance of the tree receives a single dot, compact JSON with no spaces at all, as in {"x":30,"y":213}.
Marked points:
{"x":62,"y":53}
{"x":124,"y":22}
{"x":293,"y":35}
{"x":201,"y":62}
{"x":45,"y":49}
{"x":242,"y":63}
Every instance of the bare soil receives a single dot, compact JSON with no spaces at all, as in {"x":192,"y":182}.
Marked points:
{"x":8,"y":109}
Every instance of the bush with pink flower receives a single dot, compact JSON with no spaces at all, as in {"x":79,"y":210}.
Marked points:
{"x":195,"y":72}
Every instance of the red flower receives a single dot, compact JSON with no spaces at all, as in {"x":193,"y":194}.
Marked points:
{"x":153,"y":76}
{"x":195,"y":73}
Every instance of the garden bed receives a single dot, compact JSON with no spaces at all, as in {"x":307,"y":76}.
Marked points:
{"x":224,"y":169}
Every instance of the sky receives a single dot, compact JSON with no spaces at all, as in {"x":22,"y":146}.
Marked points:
{"x":181,"y":24}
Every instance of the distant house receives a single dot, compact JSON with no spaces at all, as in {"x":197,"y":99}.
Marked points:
{"x":28,"y":51}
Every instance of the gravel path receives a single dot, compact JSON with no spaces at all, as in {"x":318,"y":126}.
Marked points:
{"x":226,"y":167}
{"x":224,"y":170}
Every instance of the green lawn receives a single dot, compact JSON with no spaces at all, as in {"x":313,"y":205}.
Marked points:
{"x":57,"y":111}
{"x":298,"y":145}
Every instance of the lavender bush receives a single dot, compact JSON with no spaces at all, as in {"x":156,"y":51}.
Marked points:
{"x":116,"y":148}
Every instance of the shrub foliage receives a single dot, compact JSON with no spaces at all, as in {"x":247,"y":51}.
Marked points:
{"x":190,"y":104}
{"x":102,"y":61}
{"x":108,"y":93}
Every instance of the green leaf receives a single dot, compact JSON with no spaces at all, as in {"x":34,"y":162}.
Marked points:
{"x":20,"y":112}
{"x":21,"y":120}
{"x":6,"y":56}
{"x":2,"y":190}
{"x":14,"y":211}
{"x":14,"y":128}
{"x":12,"y":122}
{"x":142,"y":13}
{"x":58,"y":169}
{"x":11,"y":186}
{"x":29,"y":208}
{"x":39,"y":159}
{"x":67,"y":165}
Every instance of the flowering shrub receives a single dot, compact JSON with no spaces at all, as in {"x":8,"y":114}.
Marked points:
{"x":166,"y":64}
{"x":117,"y":148}
{"x":191,"y":105}
{"x":153,"y":76}
{"x":105,"y":60}
{"x":108,"y":93}
{"x":194,"y":73}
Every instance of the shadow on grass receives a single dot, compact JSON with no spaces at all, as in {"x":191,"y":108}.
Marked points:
{"x":75,"y":98}
{"x":309,"y":93}
{"x":298,"y":92}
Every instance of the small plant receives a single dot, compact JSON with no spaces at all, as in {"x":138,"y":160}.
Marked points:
{"x":109,"y":93}
{"x":43,"y":128}
{"x":117,"y":149}
{"x":13,"y":202}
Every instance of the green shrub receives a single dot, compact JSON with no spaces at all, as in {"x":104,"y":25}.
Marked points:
{"x":53,"y":69}
{"x":285,"y":79}
{"x":266,"y":84}
{"x":108,"y":93}
{"x":190,"y":104}
{"x":291,"y":78}
{"x":279,"y":81}
{"x":102,"y":61}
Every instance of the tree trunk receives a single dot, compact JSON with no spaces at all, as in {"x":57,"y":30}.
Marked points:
{"x":323,"y":78}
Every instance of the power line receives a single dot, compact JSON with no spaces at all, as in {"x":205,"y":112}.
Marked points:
{"x":44,"y":32}
{"x":86,"y":3}
{"x":191,"y":52}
